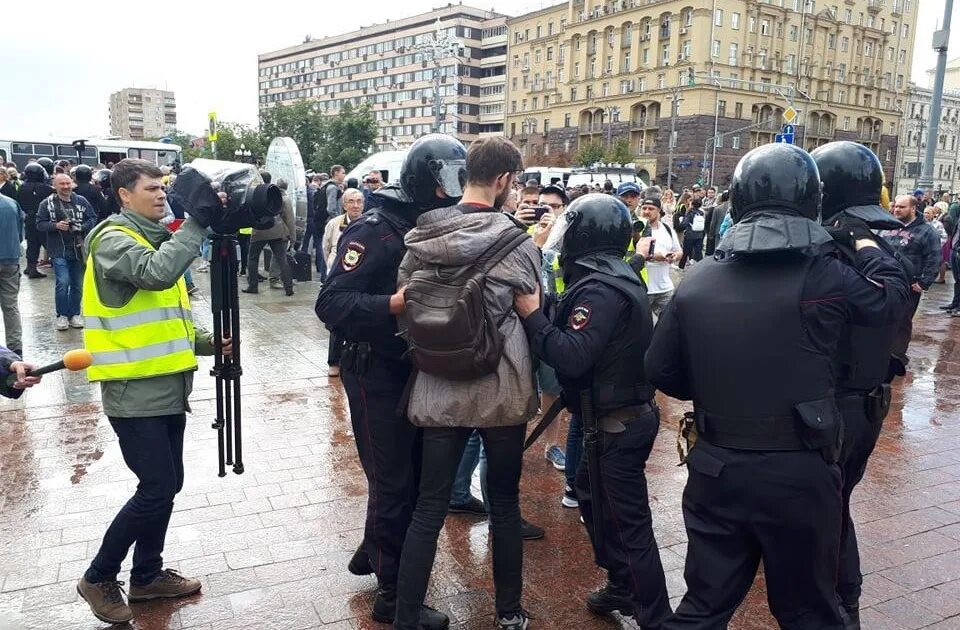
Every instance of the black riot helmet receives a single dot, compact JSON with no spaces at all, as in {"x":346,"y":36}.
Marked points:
{"x":102,"y":178}
{"x":776,"y":177}
{"x":851,"y":174}
{"x":82,"y":173}
{"x":33,"y":172}
{"x":592,"y":224}
{"x":47,"y":165}
{"x":434,"y":160}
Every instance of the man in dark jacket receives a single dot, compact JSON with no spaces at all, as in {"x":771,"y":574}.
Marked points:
{"x":34,"y":190}
{"x":919,"y":243}
{"x":66,"y":218}
{"x":83,"y":175}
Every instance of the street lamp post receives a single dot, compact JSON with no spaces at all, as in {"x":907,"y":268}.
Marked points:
{"x":243,"y":154}
{"x":436,"y":48}
{"x":675,"y":99}
{"x":921,"y":123}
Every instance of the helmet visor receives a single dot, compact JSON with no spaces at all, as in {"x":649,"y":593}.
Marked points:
{"x":560,"y":227}
{"x":450,"y":175}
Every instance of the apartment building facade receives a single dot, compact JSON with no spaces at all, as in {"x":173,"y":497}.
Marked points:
{"x":717,"y":80}
{"x":391,"y":67}
{"x":140,"y":113}
{"x":913,"y":138}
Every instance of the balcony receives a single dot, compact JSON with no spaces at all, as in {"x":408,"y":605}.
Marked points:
{"x":819,"y":131}
{"x":644,"y":122}
{"x":665,"y":33}
{"x":544,"y":85}
{"x":875,"y":6}
{"x":868,"y":135}
{"x":591,"y":129}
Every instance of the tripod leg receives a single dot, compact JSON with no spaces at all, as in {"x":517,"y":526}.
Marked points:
{"x":216,"y":275}
{"x":236,"y":371}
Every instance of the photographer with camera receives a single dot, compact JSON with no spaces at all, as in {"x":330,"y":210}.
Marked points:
{"x":66,"y":218}
{"x":144,"y":343}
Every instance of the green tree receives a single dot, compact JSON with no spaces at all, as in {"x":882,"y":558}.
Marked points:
{"x":620,"y":153}
{"x":185,"y":141}
{"x":344,"y":138}
{"x":229,"y":138}
{"x":348,"y":138}
{"x":588,"y":154}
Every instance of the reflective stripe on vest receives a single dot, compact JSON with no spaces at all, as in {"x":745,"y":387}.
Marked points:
{"x":151,"y":335}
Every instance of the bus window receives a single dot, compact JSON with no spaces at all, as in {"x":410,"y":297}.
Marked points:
{"x":167,"y":158}
{"x":23,"y":148}
{"x":149,"y":155}
{"x":3,"y":156}
{"x":43,"y":150}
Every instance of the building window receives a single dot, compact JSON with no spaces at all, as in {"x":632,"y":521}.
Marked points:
{"x":566,"y":120}
{"x":715,"y":52}
{"x":605,"y":89}
{"x":718,"y":17}
{"x":539,"y":31}
{"x":646,"y":56}
{"x":764,"y":27}
{"x":576,"y":70}
{"x":665,"y":55}
{"x":549,"y":53}
{"x":722,"y":108}
{"x":752,"y":24}
{"x":626,"y":62}
{"x":794,"y":32}
{"x":735,"y":21}
{"x":546,"y":126}
{"x":738,"y":110}
{"x":661,"y":81}
{"x":846,"y":123}
{"x":735,"y":142}
{"x":549,"y":28}
{"x":734,"y":54}
{"x":573,"y":94}
{"x":609,"y":68}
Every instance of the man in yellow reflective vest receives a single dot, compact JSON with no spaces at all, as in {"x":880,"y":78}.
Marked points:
{"x":144,"y":345}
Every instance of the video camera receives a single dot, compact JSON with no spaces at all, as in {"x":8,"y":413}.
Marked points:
{"x":249,"y":203}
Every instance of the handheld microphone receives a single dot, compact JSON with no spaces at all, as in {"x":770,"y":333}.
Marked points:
{"x":73,"y":360}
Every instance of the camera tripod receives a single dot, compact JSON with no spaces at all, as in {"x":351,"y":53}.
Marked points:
{"x":224,"y":257}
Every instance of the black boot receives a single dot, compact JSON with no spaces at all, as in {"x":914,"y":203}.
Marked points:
{"x":385,"y":609}
{"x":33,"y":274}
{"x":360,"y":562}
{"x":611,"y":598}
{"x":850,"y":616}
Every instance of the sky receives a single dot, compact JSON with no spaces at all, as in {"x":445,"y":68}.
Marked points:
{"x":60,"y":73}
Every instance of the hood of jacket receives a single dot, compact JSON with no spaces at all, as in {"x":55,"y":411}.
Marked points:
{"x":155,"y":233}
{"x":456,"y":236}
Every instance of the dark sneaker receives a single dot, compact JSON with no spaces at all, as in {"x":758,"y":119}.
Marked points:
{"x":529,"y":531}
{"x":33,"y":274}
{"x":385,"y":608}
{"x":555,"y":456}
{"x":472,"y":506}
{"x":516,"y":621}
{"x":360,"y":562}
{"x":609,"y":599}
{"x":250,"y":290}
{"x":167,"y":585}
{"x":106,"y":600}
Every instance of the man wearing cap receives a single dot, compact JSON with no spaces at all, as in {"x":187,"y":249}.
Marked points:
{"x":629,"y":193}
{"x":664,"y":248}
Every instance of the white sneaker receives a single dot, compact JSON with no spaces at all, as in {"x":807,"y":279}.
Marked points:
{"x":203,"y":267}
{"x":62,"y":323}
{"x":76,"y":321}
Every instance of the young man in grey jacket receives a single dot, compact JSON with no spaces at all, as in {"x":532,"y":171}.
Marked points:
{"x":144,"y":386}
{"x":498,"y":404}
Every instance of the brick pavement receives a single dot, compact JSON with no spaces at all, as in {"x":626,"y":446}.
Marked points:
{"x":272,"y":545}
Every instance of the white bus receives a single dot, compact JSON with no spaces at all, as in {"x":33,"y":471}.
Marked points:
{"x":98,"y":151}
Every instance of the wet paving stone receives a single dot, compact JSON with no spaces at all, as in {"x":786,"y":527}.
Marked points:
{"x":272,"y":545}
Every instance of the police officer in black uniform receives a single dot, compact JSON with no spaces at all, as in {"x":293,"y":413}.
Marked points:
{"x":852,"y":179}
{"x":763,"y":482}
{"x":110,"y":206}
{"x":360,"y":301}
{"x":594,"y":337}
{"x":33,"y":190}
{"x":83,"y":176}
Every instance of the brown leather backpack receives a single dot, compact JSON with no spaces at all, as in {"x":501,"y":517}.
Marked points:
{"x":448,"y":328}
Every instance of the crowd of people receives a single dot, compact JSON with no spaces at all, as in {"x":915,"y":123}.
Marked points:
{"x":462,"y":303}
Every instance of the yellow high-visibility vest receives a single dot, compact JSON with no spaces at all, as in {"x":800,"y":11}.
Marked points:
{"x":151,"y":335}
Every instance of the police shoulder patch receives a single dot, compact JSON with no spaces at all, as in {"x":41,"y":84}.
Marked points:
{"x":352,"y":256}
{"x":579,"y":317}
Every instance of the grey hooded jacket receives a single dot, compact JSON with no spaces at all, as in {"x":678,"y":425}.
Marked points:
{"x":508,"y":397}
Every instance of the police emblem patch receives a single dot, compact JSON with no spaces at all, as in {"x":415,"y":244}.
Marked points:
{"x":352,"y":257}
{"x":579,"y":317}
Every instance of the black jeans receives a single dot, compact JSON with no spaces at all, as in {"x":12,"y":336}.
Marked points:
{"x":442,"y":451}
{"x":388,"y":448}
{"x":278,"y":247}
{"x":692,"y":248}
{"x":905,"y":329}
{"x":244,"y":240}
{"x":741,"y":507}
{"x":153,"y":449}
{"x":860,"y":435}
{"x":629,"y":550}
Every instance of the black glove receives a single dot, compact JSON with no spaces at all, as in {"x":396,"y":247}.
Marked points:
{"x":194,"y":190}
{"x":848,"y":230}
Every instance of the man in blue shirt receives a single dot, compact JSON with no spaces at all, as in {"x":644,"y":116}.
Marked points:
{"x":11,"y":235}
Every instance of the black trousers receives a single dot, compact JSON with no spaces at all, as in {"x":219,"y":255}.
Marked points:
{"x":955,"y":269}
{"x":278,"y":247}
{"x":442,"y":451}
{"x":741,"y":507}
{"x":387,"y":446}
{"x":905,"y":329}
{"x":629,"y":552}
{"x":34,"y":240}
{"x":692,"y":248}
{"x":244,"y":240}
{"x":860,"y":435}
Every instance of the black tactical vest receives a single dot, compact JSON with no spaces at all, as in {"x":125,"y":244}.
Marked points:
{"x":755,"y":378}
{"x":617,"y":380}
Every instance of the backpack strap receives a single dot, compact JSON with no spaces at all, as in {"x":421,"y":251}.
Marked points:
{"x":507,"y":242}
